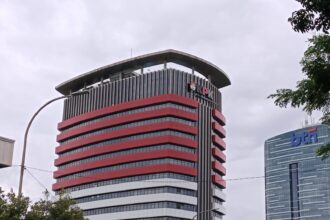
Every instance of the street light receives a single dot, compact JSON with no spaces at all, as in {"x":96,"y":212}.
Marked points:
{"x":27,"y":132}
{"x":195,"y":216}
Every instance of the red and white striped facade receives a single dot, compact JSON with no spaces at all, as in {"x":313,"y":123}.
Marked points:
{"x":143,"y":146}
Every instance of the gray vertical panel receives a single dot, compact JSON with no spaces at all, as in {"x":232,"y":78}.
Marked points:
{"x":189,"y":80}
{"x":123,"y":90}
{"x":116,"y":93}
{"x":152,"y":85}
{"x":120,"y":93}
{"x":64,"y":116}
{"x":166,"y":81}
{"x":126,"y":89}
{"x":157,"y":78}
{"x":104,"y":100}
{"x":133,"y":88}
{"x":129,"y":89}
{"x":112,"y":92}
{"x":102,"y":103}
{"x":88,"y":102}
{"x":184,"y":84}
{"x":81,"y":104}
{"x":161,"y":81}
{"x":106,"y":95}
{"x":112,"y":86}
{"x":204,"y":162}
{"x":170,"y":81}
{"x":138,"y":79}
{"x":84,"y":102}
{"x":70,"y":107}
{"x":78,"y":105}
{"x":144,"y":85}
{"x":141,"y":87}
{"x":96,"y":98}
{"x":149,"y":84}
{"x":74,"y":106}
{"x":180,"y":83}
{"x":121,"y":84}
{"x":67,"y":110}
{"x":176,"y":82}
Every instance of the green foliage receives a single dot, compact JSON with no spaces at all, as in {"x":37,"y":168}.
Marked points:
{"x":13,"y":207}
{"x":18,"y":207}
{"x":324,"y":151}
{"x":313,"y":92}
{"x":313,"y":16}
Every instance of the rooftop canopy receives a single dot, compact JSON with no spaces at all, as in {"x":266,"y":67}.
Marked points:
{"x":213,"y":73}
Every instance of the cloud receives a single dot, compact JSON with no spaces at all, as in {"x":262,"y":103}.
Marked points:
{"x":44,"y":43}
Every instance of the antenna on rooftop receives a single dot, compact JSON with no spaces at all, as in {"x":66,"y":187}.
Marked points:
{"x":306,"y":121}
{"x":131,"y":52}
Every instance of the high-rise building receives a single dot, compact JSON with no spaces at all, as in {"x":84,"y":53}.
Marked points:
{"x":146,"y":142}
{"x":297,"y":181}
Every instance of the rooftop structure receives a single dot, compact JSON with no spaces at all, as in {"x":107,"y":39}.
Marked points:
{"x":127,"y":67}
{"x":145,"y":145}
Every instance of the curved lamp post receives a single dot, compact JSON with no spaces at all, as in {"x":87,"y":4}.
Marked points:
{"x":195,"y":216}
{"x":27,"y":132}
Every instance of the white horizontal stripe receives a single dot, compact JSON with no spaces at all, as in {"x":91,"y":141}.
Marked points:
{"x":219,"y":194}
{"x":134,"y":185}
{"x":139,"y":199}
{"x":148,"y":213}
{"x":219,"y":208}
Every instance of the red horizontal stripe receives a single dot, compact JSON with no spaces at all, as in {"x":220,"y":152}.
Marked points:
{"x":217,"y":115}
{"x":217,"y":180}
{"x":127,"y":119}
{"x":143,"y":142}
{"x":217,"y":167}
{"x":159,"y":126}
{"x":218,"y":154}
{"x":126,"y":106}
{"x":218,"y":142}
{"x":217,"y":128}
{"x":161,"y":168}
{"x":157,"y":154}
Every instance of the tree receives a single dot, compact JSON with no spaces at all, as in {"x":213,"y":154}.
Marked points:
{"x":312,"y":92}
{"x":313,"y":16}
{"x":15,"y":207}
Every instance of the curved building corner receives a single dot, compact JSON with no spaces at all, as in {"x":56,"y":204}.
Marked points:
{"x":297,"y":182}
{"x":145,"y":145}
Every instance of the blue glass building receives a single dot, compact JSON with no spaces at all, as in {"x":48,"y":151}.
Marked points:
{"x":297,"y":182}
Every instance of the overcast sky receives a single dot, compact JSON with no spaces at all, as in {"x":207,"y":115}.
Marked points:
{"x":43,"y":43}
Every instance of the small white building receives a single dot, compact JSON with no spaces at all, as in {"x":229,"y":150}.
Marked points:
{"x":6,"y":152}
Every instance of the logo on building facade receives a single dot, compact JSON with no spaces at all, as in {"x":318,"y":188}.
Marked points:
{"x":200,"y":90}
{"x":304,"y":138}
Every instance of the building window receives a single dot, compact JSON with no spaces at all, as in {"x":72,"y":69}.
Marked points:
{"x":294,"y":191}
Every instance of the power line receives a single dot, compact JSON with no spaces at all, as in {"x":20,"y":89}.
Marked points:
{"x":232,"y":179}
{"x":38,"y":181}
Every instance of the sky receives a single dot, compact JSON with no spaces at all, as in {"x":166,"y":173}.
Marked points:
{"x":44,"y":43}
